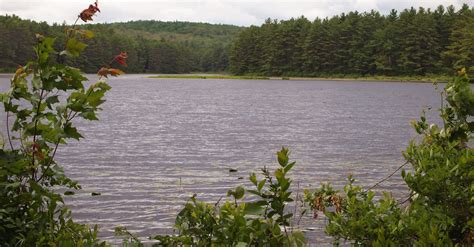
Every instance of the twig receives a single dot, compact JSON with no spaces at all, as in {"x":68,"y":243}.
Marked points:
{"x":36,"y":115}
{"x":296,"y":202}
{"x":50,"y":161}
{"x":389,"y":176}
{"x":8,"y":131}
{"x":407,"y":199}
{"x":218,"y":201}
{"x":68,"y":34}
{"x":36,"y":121}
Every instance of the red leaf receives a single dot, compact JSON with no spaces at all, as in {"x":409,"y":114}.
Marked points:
{"x":109,"y":71}
{"x":86,"y":15}
{"x":115,"y":72}
{"x":121,"y":58}
{"x":37,"y":151}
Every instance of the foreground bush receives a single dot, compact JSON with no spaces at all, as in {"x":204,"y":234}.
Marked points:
{"x":44,"y":99}
{"x":439,"y":209}
{"x":263,"y":221}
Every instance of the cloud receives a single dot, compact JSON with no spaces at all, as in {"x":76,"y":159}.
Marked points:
{"x":242,"y":13}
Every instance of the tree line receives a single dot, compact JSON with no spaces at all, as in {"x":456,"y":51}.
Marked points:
{"x":152,"y":46}
{"x":410,"y":42}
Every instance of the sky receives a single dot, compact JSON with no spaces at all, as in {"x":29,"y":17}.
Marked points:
{"x":242,"y":13}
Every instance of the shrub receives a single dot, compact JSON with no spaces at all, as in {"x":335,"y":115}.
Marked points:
{"x":260,"y":222}
{"x":440,"y":205}
{"x":44,"y":99}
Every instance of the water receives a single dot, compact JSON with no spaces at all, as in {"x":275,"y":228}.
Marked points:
{"x":159,"y":141}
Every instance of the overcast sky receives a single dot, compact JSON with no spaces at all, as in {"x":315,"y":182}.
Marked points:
{"x":242,"y":13}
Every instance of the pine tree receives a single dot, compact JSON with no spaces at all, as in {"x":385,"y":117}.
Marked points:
{"x":460,"y":52}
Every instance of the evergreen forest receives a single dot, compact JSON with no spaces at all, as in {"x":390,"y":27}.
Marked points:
{"x":407,"y":43}
{"x":410,"y":42}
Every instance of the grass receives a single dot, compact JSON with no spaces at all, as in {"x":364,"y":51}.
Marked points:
{"x":7,"y":70}
{"x":212,"y":77}
{"x":427,"y":78}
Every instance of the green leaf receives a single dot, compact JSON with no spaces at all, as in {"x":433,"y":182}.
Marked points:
{"x":254,"y":192}
{"x":276,"y":229}
{"x":71,"y":132}
{"x":238,"y":193}
{"x":4,"y":97}
{"x":74,"y":47}
{"x":253,"y":179}
{"x":299,"y":238}
{"x":88,"y":34}
{"x":261,"y":184}
{"x":89,"y":115}
{"x":279,"y":175}
{"x":255,"y":208}
{"x":52,"y":100}
{"x":283,"y":157}
{"x":289,"y":166}
{"x":45,"y":48}
{"x":36,"y":82}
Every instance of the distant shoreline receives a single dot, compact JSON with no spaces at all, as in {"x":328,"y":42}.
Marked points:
{"x":408,"y":79}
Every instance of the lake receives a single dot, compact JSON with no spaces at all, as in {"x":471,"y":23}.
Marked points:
{"x":159,"y":141}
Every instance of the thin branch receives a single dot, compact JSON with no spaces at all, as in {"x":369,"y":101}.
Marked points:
{"x":36,"y":115}
{"x":296,"y":202}
{"x":68,"y":34}
{"x":389,"y":176}
{"x":8,"y":131}
{"x":442,"y":109}
{"x":50,"y":161}
{"x":218,"y":201}
{"x":407,"y":199}
{"x":69,"y":118}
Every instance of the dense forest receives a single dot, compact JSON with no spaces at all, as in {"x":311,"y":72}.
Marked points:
{"x":152,"y":46}
{"x":412,"y":42}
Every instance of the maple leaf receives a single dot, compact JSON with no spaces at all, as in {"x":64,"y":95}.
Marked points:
{"x":36,"y":150}
{"x":86,"y":15}
{"x":109,"y":71}
{"x":121,"y":58}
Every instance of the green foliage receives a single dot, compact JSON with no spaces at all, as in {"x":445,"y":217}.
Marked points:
{"x":153,"y":46}
{"x":257,"y":222}
{"x":412,"y":42}
{"x":128,"y":238}
{"x":460,"y":52}
{"x":443,"y":162}
{"x":440,"y":206}
{"x":44,"y":99}
{"x":356,"y":216}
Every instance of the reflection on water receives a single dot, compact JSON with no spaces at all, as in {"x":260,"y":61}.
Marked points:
{"x":159,"y":141}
